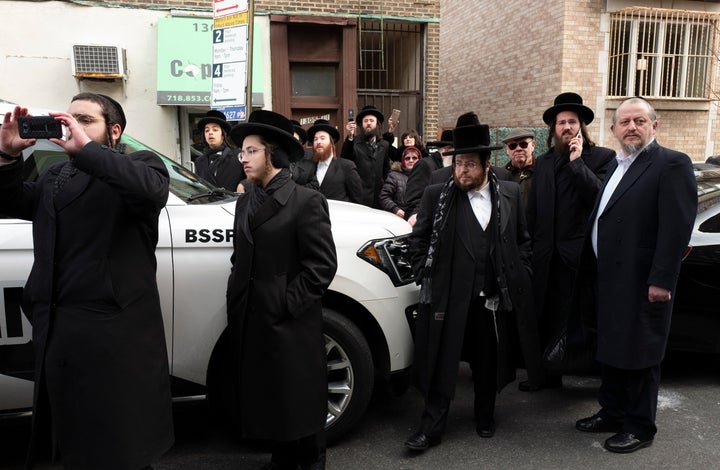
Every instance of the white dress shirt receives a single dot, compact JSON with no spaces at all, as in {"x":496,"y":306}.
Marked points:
{"x":322,"y":168}
{"x":481,"y":204}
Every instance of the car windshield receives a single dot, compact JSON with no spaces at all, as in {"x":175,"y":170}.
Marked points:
{"x":183,"y":183}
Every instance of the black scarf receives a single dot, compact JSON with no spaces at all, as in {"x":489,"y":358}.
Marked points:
{"x":259,"y":194}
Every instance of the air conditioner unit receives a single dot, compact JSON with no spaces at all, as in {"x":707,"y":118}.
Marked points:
{"x":98,"y":61}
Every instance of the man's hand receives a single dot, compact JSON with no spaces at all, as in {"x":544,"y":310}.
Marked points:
{"x":350,"y":129}
{"x":412,"y":220}
{"x":658,"y":294}
{"x":391,"y":124}
{"x":76,"y":138}
{"x":400,"y":213}
{"x":10,"y":141}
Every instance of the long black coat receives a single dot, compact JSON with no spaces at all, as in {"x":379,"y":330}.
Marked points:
{"x":557,"y":216}
{"x":373,"y":165}
{"x":97,"y":327}
{"x":441,"y":336}
{"x":283,"y":261}
{"x":642,"y":235}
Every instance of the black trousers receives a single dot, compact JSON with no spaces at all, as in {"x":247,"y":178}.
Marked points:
{"x":480,"y":349}
{"x":307,"y":453}
{"x":631,"y":396}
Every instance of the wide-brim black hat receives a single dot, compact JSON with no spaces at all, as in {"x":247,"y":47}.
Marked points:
{"x":302,"y":133}
{"x":446,"y":140}
{"x":369,"y":109}
{"x":568,"y":102}
{"x":273,"y":127}
{"x":215,"y":117}
{"x":471,"y":139}
{"x":323,"y":125}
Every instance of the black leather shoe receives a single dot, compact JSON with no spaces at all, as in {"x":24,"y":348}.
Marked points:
{"x":421,"y":441}
{"x":486,"y":429}
{"x":597,"y":423}
{"x":625,"y":442}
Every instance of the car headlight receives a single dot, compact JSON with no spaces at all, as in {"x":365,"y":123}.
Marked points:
{"x":392,"y":256}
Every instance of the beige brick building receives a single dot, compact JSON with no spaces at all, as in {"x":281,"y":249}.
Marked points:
{"x":517,"y":56}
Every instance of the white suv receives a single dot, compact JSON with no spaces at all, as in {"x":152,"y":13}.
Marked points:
{"x":368,"y":308}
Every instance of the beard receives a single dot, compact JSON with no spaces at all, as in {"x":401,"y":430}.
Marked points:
{"x":371,"y":133}
{"x":322,"y":152}
{"x":476,"y":182}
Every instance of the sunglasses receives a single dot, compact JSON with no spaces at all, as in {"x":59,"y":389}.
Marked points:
{"x":514,"y":145}
{"x":411,"y":157}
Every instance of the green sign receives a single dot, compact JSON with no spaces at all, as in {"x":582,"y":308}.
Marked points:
{"x":184,"y":75}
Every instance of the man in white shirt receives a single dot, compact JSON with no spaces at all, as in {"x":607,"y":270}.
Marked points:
{"x":338,"y":177}
{"x":470,"y":252}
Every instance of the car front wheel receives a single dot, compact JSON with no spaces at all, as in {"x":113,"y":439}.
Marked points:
{"x":350,"y":374}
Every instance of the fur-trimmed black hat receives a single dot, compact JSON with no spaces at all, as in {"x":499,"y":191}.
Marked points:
{"x":273,"y":127}
{"x":216,"y":117}
{"x":446,"y":140}
{"x":369,"y":109}
{"x":568,"y":102}
{"x":323,"y":125}
{"x":471,"y":139}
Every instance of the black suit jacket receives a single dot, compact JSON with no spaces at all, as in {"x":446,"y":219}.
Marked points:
{"x":642,"y":235}
{"x":341,"y":182}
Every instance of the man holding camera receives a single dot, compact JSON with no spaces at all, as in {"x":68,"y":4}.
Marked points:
{"x":102,"y":387}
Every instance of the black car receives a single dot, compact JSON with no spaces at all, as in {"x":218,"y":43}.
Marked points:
{"x":696,"y":312}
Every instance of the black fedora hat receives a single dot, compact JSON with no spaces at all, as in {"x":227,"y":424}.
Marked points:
{"x":216,"y":117}
{"x":323,"y":125}
{"x":446,"y":140}
{"x":568,"y":102}
{"x":471,"y":139}
{"x":302,"y":133}
{"x":369,"y":109}
{"x":272,"y":126}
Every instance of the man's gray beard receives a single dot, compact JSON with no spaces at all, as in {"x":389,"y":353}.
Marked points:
{"x":629,"y":149}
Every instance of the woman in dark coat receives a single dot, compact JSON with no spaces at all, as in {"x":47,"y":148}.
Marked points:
{"x":392,"y":194}
{"x":283,"y":261}
{"x":101,"y":370}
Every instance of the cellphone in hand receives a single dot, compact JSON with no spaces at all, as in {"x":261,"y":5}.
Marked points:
{"x":579,"y":133}
{"x":395,"y":116}
{"x":39,"y":127}
{"x":351,"y":115}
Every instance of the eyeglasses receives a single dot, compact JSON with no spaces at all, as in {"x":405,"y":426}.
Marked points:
{"x":468,"y":165}
{"x":411,"y":157}
{"x":523,"y":145}
{"x":249,"y":152}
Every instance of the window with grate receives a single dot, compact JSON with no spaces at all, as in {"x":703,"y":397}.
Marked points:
{"x":661,"y":53}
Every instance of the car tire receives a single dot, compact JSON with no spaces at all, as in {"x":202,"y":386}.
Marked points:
{"x":350,"y":374}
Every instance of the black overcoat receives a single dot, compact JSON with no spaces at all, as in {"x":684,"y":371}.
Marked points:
{"x":557,"y":215}
{"x":225,"y":171}
{"x":441,"y":324}
{"x":643,"y":233}
{"x":92,"y":293}
{"x":373,"y":165}
{"x":283,"y":261}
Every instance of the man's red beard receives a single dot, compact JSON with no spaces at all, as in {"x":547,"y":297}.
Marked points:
{"x":321,"y":152}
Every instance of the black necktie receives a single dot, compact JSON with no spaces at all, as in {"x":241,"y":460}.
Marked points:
{"x":67,"y":172}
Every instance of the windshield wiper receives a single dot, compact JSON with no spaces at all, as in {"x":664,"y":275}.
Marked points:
{"x":212,"y":193}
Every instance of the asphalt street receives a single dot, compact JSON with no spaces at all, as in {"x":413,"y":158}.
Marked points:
{"x":535,"y":431}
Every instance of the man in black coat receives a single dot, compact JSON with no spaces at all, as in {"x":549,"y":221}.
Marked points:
{"x":219,"y":163}
{"x":338,"y":178}
{"x":283,"y":261}
{"x":370,"y":152}
{"x":639,"y":231}
{"x":102,"y":386}
{"x":471,"y":255}
{"x":566,"y":181}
